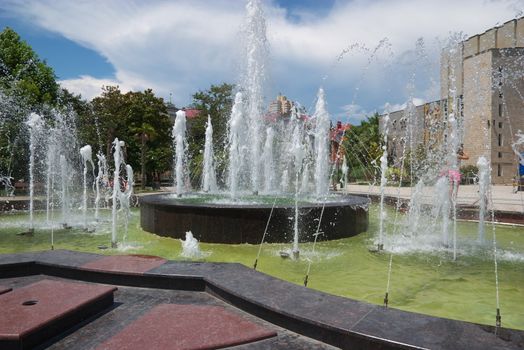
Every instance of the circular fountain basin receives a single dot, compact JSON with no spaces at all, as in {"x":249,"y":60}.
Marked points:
{"x":219,"y":219}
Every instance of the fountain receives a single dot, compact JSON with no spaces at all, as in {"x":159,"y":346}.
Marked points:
{"x":179,"y":145}
{"x":190,"y":247}
{"x":383,"y":180}
{"x":268,"y":187}
{"x":209,"y":181}
{"x":102,"y":177}
{"x":484,"y":181}
{"x":283,"y":204}
{"x":64,"y":178}
{"x":87,"y":156}
{"x":118,"y":156}
{"x":34,"y":124}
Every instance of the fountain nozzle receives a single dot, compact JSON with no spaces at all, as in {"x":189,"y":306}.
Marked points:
{"x":386,"y":299}
{"x":498,"y":321}
{"x":296,"y":254}
{"x":380,"y":246}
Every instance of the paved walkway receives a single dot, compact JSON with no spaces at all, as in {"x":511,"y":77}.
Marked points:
{"x":504,"y":197}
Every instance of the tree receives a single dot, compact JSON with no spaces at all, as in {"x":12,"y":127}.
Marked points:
{"x":363,"y":148}
{"x":140,"y":120}
{"x":150,"y":125}
{"x":27,"y":84}
{"x":110,"y":114}
{"x":215,"y":102}
{"x":22,"y":71}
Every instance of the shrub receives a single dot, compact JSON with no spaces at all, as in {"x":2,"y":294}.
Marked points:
{"x":468,"y":172}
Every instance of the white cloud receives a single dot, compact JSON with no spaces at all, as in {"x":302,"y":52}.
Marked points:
{"x":90,"y":87}
{"x":398,"y":107}
{"x":353,"y":114}
{"x":183,"y":46}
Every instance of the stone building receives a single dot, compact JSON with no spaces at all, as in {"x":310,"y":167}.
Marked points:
{"x":483,"y":78}
{"x":281,"y":107}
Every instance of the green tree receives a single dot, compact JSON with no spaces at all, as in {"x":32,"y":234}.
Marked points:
{"x":363,"y":149}
{"x":215,"y":102}
{"x":26,"y":84}
{"x":140,"y":120}
{"x":151,"y":129}
{"x":22,"y":72}
{"x":110,"y":114}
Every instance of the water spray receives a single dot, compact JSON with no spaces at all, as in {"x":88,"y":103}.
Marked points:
{"x":264,"y":235}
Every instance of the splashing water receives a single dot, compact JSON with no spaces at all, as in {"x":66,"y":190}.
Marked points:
{"x":235,"y":137}
{"x":484,"y":181}
{"x":35,"y":124}
{"x":322,"y":125}
{"x":345,"y":170}
{"x":124,"y":197}
{"x":383,"y":181}
{"x":209,"y":181}
{"x":179,"y":144}
{"x":87,"y":156}
{"x":257,"y":52}
{"x":267,"y":156}
{"x":118,"y":158}
{"x":518,"y":146}
{"x":102,"y":178}
{"x":190,"y":247}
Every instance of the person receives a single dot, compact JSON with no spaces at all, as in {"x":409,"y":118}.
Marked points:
{"x":453,"y":172}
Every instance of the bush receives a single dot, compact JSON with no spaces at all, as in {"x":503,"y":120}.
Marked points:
{"x":468,"y":172}
{"x":395,"y":174}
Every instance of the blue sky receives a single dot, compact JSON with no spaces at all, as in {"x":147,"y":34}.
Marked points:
{"x":68,"y":59}
{"x":179,"y":47}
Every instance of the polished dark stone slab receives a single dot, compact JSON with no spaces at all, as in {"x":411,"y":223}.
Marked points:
{"x":178,"y":327}
{"x":39,"y":311}
{"x":246,"y":223}
{"x":337,"y":321}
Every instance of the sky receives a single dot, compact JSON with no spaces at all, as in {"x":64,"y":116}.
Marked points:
{"x":367,"y":55}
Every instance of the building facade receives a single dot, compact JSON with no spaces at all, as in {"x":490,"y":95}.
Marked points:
{"x":483,"y":78}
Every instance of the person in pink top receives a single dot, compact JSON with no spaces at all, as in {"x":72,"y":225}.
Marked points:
{"x":453,"y":173}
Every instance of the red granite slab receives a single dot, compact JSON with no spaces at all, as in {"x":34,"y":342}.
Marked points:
{"x":41,"y":310}
{"x":125,"y":263}
{"x":5,"y":289}
{"x":173,"y":326}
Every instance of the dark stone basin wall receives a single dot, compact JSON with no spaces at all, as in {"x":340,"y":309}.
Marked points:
{"x":245,"y":224}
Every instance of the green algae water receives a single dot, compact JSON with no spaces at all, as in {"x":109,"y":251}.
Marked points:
{"x":427,"y":281}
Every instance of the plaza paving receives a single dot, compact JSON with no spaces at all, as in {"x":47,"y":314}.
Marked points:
{"x":505,"y":198}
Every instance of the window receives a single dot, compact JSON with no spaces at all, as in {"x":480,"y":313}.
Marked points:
{"x":500,"y":154}
{"x":500,"y":109}
{"x":500,"y":77}
{"x":499,"y":170}
{"x":500,"y":125}
{"x":489,"y":124}
{"x":500,"y":140}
